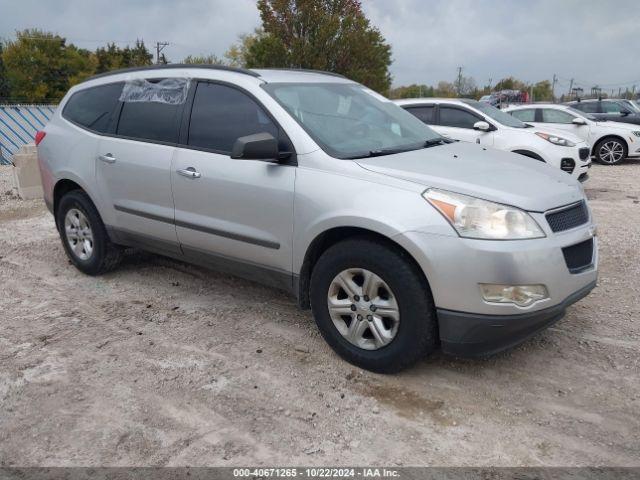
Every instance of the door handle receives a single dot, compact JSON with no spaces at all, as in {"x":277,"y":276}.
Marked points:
{"x":189,"y":173}
{"x":107,"y":158}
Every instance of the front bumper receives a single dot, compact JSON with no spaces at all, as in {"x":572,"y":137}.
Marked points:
{"x":454,"y":268}
{"x":471,"y":335}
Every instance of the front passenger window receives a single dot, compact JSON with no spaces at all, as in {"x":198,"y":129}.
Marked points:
{"x":456,"y":117}
{"x":611,"y":107}
{"x":528,"y":115}
{"x":222,"y":114}
{"x":556,"y":116}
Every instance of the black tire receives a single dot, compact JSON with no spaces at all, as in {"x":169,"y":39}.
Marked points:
{"x":600,"y":150}
{"x":417,"y":333}
{"x":105,"y":255}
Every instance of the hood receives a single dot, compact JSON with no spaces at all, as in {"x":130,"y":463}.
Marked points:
{"x":486,"y":173}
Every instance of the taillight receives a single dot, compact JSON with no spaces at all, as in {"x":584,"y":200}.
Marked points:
{"x":39,"y":137}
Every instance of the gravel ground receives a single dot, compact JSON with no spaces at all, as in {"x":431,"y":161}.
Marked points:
{"x":162,"y":363}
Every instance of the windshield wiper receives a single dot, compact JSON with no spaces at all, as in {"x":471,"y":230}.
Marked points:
{"x":437,"y":141}
{"x":391,"y":151}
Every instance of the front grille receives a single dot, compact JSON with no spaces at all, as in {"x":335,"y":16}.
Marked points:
{"x":579,"y":257}
{"x":584,"y":153}
{"x":569,"y":217}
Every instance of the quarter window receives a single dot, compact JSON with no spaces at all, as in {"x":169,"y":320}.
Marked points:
{"x":92,"y":107}
{"x":528,"y":115}
{"x":222,"y":114}
{"x":456,"y":117}
{"x":424,"y":113}
{"x":556,"y":116}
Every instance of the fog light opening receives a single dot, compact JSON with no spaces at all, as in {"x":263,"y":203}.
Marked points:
{"x":520,"y":295}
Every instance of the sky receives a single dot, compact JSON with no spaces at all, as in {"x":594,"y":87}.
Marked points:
{"x":594,"y":42}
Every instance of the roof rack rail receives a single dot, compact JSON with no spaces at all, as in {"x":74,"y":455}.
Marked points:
{"x":306,"y":70}
{"x":172,"y":66}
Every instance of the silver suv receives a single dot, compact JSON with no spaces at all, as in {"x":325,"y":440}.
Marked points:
{"x":398,"y":240}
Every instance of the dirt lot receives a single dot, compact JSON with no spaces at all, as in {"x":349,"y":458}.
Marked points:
{"x":161,"y":363}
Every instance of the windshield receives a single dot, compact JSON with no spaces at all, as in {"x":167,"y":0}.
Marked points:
{"x":351,"y":121}
{"x":497,"y":115}
{"x":579,"y":113}
{"x":634,"y":105}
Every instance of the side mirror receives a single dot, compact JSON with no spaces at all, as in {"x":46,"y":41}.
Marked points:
{"x":482,"y":126}
{"x":579,"y":121}
{"x":259,"y":146}
{"x":625,"y":113}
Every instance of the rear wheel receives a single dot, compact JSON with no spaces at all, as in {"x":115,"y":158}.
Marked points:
{"x":84,"y":236}
{"x":610,"y":151}
{"x":372,"y":305}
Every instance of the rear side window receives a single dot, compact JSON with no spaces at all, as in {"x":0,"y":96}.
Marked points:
{"x":424,"y":113}
{"x":146,"y":115}
{"x":587,"y":107}
{"x":456,"y":117}
{"x":92,"y":107}
{"x":528,"y":115}
{"x":222,"y":114}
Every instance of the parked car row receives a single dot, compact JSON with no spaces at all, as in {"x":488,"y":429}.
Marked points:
{"x":479,"y":122}
{"x":572,"y":136}
{"x":399,"y":239}
{"x":615,"y":110}
{"x":610,"y":142}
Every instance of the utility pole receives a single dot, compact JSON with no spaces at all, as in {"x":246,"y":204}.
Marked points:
{"x":553,"y":87}
{"x":570,"y":87}
{"x":159,"y":47}
{"x":490,"y":80}
{"x":459,"y":81}
{"x":596,"y":91}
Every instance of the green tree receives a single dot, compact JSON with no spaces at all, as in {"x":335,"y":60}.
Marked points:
{"x":236,"y":55}
{"x":113,"y":57}
{"x":446,"y":90}
{"x":510,"y":83}
{"x":208,"y":60}
{"x":40,"y":66}
{"x":542,"y":91}
{"x":4,"y":84}
{"x":412,"y":91}
{"x":332,"y":35}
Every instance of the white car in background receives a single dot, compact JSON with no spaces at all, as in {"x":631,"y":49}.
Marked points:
{"x":610,"y":142}
{"x":478,"y":122}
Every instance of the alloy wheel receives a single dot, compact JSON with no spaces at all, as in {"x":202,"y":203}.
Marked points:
{"x":611,"y":151}
{"x":78,"y":233}
{"x":363,"y":308}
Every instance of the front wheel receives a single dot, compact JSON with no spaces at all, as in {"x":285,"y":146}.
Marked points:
{"x":610,"y":151}
{"x":372,"y":305}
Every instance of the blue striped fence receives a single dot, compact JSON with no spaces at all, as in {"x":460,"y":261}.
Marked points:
{"x":19,"y":124}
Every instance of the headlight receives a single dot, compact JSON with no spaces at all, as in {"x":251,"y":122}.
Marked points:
{"x":475,"y":218}
{"x":563,"y":142}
